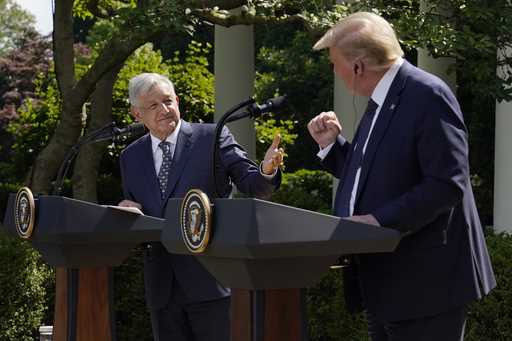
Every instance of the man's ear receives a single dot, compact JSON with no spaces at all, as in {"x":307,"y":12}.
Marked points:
{"x":136,"y":114}
{"x":358,"y":66}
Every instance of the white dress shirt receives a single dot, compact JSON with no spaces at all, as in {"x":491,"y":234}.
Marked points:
{"x":378,"y":96}
{"x":158,"y":153}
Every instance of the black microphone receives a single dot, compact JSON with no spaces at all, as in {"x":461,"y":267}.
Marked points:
{"x":118,"y":134}
{"x":255,"y":109}
{"x":270,"y":105}
{"x":134,"y":129}
{"x":107,"y":132}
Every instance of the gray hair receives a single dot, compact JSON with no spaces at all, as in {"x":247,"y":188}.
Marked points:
{"x":363,"y":35}
{"x":143,"y":83}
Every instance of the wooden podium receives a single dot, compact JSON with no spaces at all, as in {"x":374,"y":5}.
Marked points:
{"x":82,"y":241}
{"x":273,"y":251}
{"x":265,"y":251}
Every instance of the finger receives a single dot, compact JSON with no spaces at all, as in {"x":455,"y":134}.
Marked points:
{"x":333,"y":125}
{"x":320,"y":124}
{"x":314,"y":124}
{"x":330,"y":116}
{"x":277,"y":140}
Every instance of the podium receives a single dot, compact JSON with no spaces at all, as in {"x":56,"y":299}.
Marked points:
{"x":72,"y":234}
{"x":272,"y":250}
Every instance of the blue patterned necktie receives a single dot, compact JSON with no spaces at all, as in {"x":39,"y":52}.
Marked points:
{"x":355,"y":161}
{"x":163,"y":173}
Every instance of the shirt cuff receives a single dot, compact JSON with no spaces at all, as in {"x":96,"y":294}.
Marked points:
{"x":323,"y":152}
{"x":267,"y":176}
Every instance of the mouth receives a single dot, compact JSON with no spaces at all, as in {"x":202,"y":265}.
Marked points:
{"x":165,"y":118}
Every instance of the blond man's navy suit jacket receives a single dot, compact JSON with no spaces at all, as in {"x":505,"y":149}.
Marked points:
{"x":415,"y":178}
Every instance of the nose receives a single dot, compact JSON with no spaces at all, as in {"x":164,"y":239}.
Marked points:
{"x":163,"y":107}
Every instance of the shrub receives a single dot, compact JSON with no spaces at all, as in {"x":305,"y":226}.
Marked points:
{"x":23,"y":285}
{"x":131,"y":314}
{"x":307,"y":189}
{"x":490,"y":318}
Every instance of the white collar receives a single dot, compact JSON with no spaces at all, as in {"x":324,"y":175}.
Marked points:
{"x":381,"y":90}
{"x":173,"y":138}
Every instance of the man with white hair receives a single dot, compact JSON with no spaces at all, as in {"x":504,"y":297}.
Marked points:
{"x":407,"y":169}
{"x":185,"y":300}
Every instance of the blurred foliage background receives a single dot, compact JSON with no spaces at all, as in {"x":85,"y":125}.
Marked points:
{"x":31,"y":106}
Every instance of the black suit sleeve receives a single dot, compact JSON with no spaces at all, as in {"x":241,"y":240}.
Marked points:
{"x":335,"y":159}
{"x":126,"y":192}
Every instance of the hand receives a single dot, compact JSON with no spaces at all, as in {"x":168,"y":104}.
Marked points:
{"x":365,"y":219}
{"x":324,"y":128}
{"x":273,"y":157}
{"x":129,"y":203}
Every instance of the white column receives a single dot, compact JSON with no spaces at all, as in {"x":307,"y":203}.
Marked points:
{"x":503,"y":160}
{"x":348,"y":108}
{"x":443,"y":67}
{"x":234,"y":78}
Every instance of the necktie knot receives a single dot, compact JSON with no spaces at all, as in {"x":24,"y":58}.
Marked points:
{"x":165,"y":146}
{"x":371,"y":108}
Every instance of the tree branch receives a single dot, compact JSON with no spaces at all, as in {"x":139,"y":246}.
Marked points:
{"x":94,"y":7}
{"x":224,"y":4}
{"x":63,"y":46}
{"x":227,"y":19}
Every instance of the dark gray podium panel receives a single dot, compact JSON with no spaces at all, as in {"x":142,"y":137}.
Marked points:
{"x":262,"y":245}
{"x":75,"y":234}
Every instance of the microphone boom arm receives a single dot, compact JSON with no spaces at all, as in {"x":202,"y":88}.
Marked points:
{"x":218,"y":129}
{"x":107,"y":132}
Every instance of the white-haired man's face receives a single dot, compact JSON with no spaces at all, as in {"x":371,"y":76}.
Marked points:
{"x":158,"y":110}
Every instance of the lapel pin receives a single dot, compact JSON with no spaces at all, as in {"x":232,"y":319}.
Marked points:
{"x":392,"y":106}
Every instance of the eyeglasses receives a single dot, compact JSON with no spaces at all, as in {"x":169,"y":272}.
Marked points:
{"x":156,"y":107}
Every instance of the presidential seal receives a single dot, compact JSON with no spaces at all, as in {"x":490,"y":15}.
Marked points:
{"x":24,"y":212}
{"x":196,"y":220}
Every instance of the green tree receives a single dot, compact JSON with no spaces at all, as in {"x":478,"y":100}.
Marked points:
{"x":14,"y":21}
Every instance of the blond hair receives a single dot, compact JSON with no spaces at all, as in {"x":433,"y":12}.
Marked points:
{"x":363,"y":36}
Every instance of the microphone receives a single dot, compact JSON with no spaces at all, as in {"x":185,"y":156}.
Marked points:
{"x":270,"y":105}
{"x":134,"y":129}
{"x":255,"y":109}
{"x":117,"y":134}
{"x":107,"y":132}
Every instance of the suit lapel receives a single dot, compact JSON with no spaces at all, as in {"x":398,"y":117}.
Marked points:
{"x":381,"y":125}
{"x":181,"y":155}
{"x":148,"y":164}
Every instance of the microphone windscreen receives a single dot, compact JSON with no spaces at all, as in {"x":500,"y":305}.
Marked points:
{"x":278,"y":102}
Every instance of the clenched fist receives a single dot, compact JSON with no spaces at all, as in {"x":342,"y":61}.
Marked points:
{"x":324,"y":128}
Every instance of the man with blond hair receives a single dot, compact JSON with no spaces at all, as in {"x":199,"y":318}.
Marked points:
{"x":406,"y":169}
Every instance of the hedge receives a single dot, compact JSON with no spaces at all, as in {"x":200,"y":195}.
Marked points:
{"x":25,"y":283}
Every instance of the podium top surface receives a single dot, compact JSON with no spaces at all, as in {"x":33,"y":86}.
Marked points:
{"x":253,"y":228}
{"x":65,"y":220}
